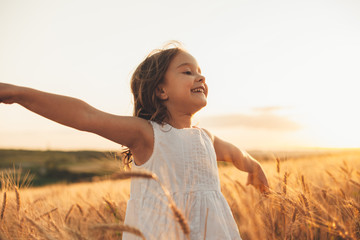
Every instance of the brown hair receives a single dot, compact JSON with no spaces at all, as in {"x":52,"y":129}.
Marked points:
{"x":144,"y":82}
{"x":146,"y":78}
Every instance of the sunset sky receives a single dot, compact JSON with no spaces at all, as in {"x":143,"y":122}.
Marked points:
{"x":281,"y":74}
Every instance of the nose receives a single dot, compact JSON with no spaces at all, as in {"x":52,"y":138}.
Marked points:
{"x":200,"y":78}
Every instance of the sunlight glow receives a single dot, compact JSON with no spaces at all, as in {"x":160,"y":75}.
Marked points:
{"x":299,"y":59}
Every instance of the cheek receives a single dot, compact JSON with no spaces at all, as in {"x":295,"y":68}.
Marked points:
{"x":184,"y":84}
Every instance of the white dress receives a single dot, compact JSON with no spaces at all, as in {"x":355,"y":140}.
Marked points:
{"x":185,"y":162}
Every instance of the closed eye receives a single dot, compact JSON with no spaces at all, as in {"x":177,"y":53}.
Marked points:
{"x":188,"y":72}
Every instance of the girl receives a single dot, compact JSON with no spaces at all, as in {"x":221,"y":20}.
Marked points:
{"x":168,"y":90}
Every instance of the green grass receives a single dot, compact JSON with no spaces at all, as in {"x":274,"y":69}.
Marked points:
{"x":49,"y":167}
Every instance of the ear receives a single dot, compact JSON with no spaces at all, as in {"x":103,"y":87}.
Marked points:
{"x":161,"y":93}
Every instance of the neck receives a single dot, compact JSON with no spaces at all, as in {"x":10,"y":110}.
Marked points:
{"x":181,"y":121}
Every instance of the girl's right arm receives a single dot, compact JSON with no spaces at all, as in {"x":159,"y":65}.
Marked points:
{"x":133,"y":132}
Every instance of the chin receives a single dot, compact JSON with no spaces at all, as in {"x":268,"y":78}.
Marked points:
{"x":202,"y":105}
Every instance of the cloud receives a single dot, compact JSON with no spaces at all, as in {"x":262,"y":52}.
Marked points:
{"x":263,"y":120}
{"x":269,"y":109}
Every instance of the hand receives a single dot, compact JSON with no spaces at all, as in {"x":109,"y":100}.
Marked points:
{"x":258,"y":179}
{"x":7,"y":93}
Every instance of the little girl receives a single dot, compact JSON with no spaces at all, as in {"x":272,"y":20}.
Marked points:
{"x":168,"y":90}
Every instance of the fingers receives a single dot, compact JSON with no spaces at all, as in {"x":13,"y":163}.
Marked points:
{"x":261,"y":187}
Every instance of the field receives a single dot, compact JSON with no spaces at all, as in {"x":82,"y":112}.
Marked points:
{"x":313,"y":196}
{"x":47,"y":167}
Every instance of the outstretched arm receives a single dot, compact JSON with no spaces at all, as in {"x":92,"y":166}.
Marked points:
{"x":227,"y":152}
{"x":77,"y":114}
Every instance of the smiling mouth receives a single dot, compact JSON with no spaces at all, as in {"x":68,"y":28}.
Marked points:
{"x":198,"y":90}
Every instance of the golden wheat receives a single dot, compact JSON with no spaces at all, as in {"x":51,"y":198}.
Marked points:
{"x":75,"y":233}
{"x":47,"y":213}
{"x":98,"y":213}
{"x":134,"y":174}
{"x":18,"y":201}
{"x":80,"y":209}
{"x":68,"y":214}
{"x":40,"y":229}
{"x":119,"y":227}
{"x":3,"y":206}
{"x":321,"y":201}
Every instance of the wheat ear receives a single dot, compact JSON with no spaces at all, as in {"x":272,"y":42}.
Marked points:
{"x":68,"y":213}
{"x":176,"y":211}
{"x":98,"y":213}
{"x":112,"y":207}
{"x":80,"y":209}
{"x":285,"y":182}
{"x":355,"y":183}
{"x":119,"y":227}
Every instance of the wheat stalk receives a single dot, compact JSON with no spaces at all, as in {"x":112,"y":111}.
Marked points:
{"x":40,"y":229}
{"x":176,"y":211}
{"x":342,"y":193}
{"x":303,"y":184}
{"x":55,"y":227}
{"x":3,"y":206}
{"x":80,"y":209}
{"x":332,"y":176}
{"x":68,"y":214}
{"x":293,"y":218}
{"x":111,"y":207}
{"x":355,"y":183}
{"x":206,"y":218}
{"x":18,"y":202}
{"x":75,"y":233}
{"x":241,"y":186}
{"x":305,"y":201}
{"x":180,"y":219}
{"x":285,"y":182}
{"x":47,"y":213}
{"x":134,"y":174}
{"x":119,"y":227}
{"x":324,"y":193}
{"x":98,"y":213}
{"x":38,"y":200}
{"x":354,"y":205}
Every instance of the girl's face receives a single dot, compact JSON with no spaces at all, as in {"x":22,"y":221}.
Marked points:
{"x":184,"y":89}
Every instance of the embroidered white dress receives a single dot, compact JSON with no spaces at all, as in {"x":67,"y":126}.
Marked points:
{"x":185,"y":162}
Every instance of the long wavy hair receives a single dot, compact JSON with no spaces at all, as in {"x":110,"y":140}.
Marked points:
{"x":144,"y":82}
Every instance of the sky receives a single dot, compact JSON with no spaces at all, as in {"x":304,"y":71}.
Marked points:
{"x":281,"y":74}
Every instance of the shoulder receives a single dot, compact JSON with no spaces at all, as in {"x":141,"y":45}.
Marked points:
{"x":223,"y":149}
{"x":143,"y":148}
{"x":145,"y":130}
{"x":211,"y":136}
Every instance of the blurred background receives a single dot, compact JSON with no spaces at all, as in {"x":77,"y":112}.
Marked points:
{"x":281,"y":74}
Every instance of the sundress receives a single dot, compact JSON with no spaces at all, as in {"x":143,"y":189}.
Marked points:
{"x":185,"y":162}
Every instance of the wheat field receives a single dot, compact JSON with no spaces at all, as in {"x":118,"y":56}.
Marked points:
{"x":312,"y":197}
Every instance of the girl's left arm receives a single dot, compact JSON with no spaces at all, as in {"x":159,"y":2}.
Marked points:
{"x":227,"y":152}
